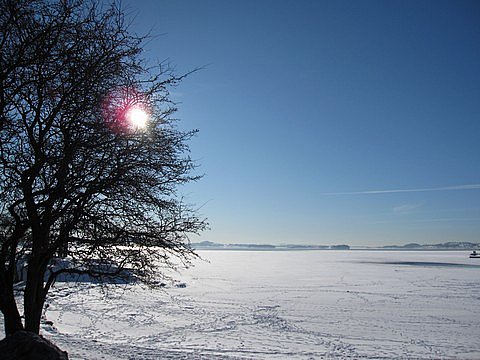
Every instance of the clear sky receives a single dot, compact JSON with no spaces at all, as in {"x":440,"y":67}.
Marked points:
{"x":309,"y":111}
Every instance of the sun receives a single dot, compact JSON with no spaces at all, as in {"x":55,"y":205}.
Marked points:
{"x":137,"y":118}
{"x":127,"y":110}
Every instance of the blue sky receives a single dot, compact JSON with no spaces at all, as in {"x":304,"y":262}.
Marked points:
{"x":306,"y":108}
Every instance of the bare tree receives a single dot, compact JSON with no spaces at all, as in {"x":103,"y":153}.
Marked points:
{"x":78,"y":177}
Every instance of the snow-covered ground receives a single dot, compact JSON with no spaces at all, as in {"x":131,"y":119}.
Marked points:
{"x":282,"y":305}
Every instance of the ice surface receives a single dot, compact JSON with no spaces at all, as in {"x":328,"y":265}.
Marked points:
{"x":282,"y":305}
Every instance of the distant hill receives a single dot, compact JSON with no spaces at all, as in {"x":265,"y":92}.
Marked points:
{"x":217,"y":246}
{"x":452,"y":245}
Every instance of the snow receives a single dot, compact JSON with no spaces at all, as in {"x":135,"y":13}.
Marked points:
{"x":281,"y":305}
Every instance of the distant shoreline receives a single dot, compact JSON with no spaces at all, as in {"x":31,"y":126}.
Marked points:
{"x":351,"y":249}
{"x":449,"y":246}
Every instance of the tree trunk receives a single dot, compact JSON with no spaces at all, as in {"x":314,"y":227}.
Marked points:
{"x":11,"y":316}
{"x":8,"y":305}
{"x":34,"y":296}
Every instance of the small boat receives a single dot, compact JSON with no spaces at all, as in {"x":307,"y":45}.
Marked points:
{"x":474,"y":255}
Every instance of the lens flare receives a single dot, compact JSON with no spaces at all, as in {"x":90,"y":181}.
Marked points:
{"x":126,"y":110}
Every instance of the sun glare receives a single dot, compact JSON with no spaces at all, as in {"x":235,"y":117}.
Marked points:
{"x":137,"y":118}
{"x":126,"y":110}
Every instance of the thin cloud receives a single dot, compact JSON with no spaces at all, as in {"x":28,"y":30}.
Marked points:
{"x":406,"y":208}
{"x":394,"y":191}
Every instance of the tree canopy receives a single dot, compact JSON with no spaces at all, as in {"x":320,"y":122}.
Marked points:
{"x":78,"y":177}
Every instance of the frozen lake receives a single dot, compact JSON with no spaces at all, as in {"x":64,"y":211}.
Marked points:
{"x":283,"y":305}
